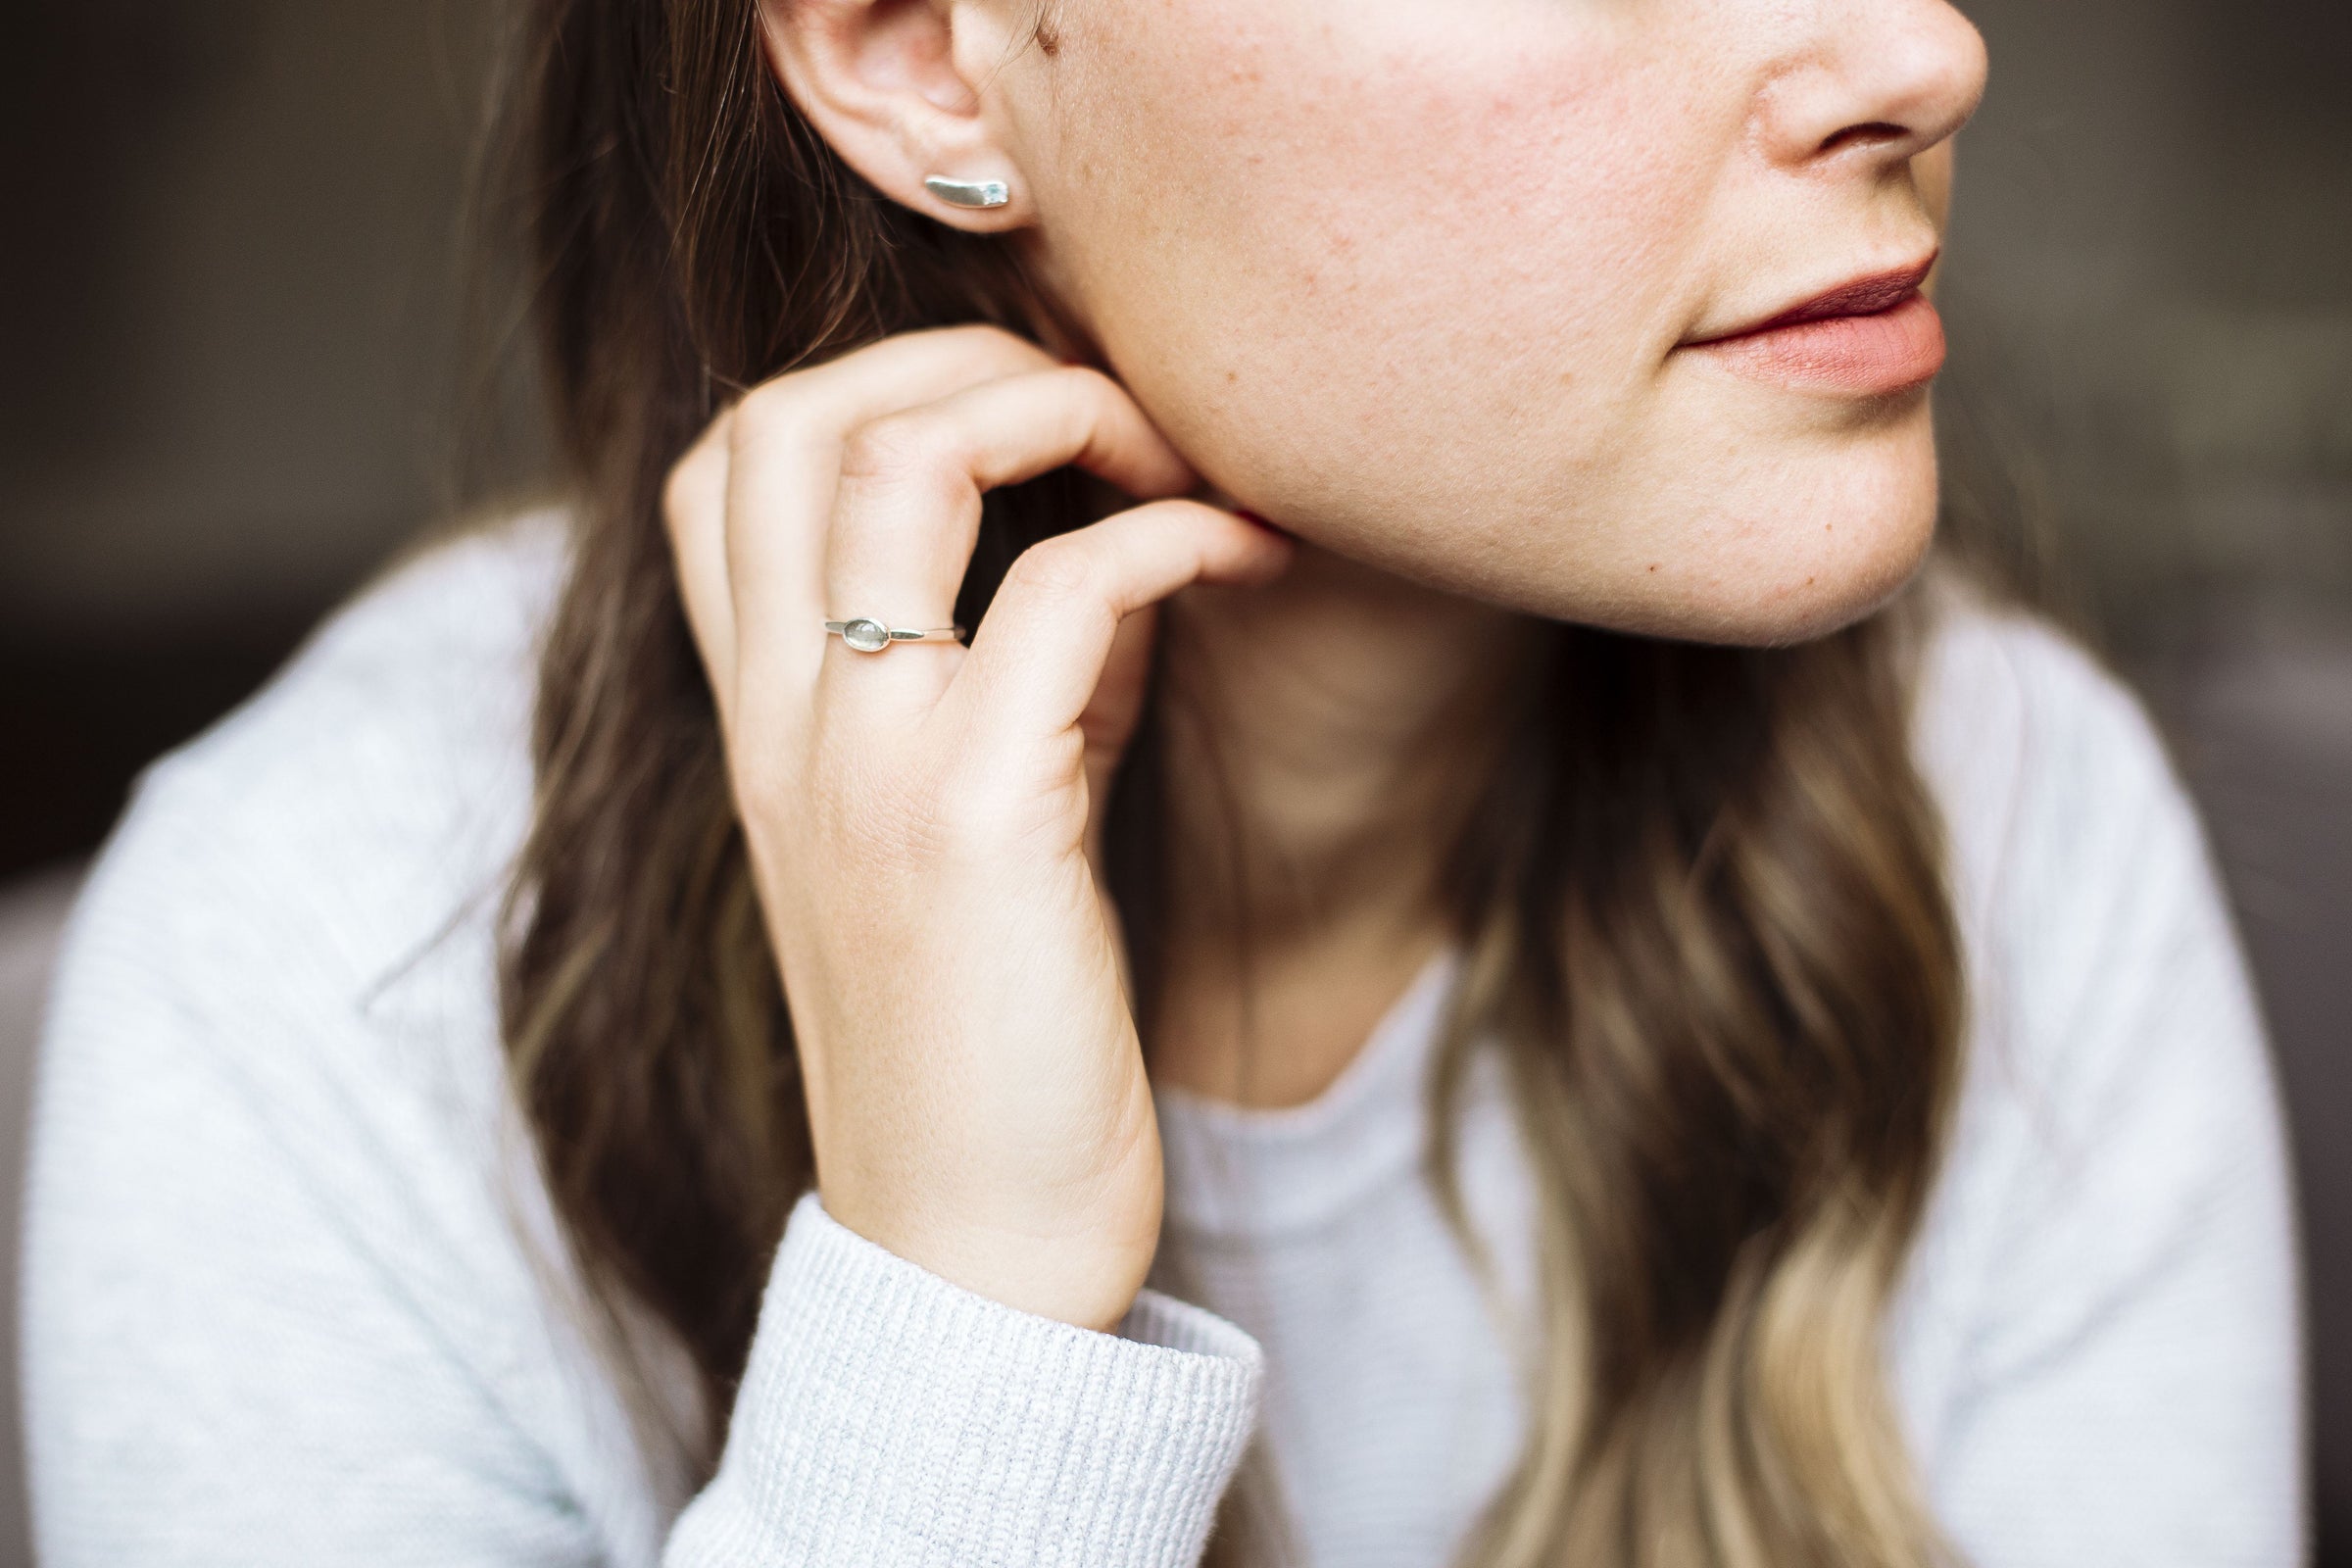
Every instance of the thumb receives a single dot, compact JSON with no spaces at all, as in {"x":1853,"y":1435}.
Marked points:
{"x":1117,"y":706}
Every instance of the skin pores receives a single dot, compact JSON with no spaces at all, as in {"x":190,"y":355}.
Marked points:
{"x":1417,"y":280}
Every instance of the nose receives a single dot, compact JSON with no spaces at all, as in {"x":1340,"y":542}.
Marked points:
{"x":1880,"y":79}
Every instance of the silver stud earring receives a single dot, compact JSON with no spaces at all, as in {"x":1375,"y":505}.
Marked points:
{"x":969,"y":192}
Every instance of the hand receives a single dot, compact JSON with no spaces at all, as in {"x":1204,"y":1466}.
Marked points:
{"x":923,"y":821}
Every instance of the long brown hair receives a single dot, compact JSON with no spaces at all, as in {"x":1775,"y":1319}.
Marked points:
{"x":1702,"y":902}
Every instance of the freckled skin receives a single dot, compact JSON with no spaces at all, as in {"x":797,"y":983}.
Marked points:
{"x":1409,"y":279}
{"x":1426,"y":282}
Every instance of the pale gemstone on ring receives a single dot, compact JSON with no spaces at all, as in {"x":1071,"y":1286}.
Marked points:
{"x":866,"y":636}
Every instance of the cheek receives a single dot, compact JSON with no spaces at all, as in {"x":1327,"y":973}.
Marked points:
{"x":1410,"y":285}
{"x":1413,"y":223}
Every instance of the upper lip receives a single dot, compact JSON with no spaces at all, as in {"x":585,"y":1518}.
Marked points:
{"x":1871,"y":295}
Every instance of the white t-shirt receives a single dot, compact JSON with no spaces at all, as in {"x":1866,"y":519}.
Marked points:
{"x":292,"y":1297}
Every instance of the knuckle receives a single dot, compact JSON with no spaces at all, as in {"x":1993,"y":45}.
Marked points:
{"x":768,"y":409}
{"x":891,"y":446}
{"x":991,"y":333}
{"x":1090,"y":382}
{"x":993,"y":346}
{"x":984,"y":336}
{"x":1085,"y":402}
{"x":1054,"y":569}
{"x":681,"y":495}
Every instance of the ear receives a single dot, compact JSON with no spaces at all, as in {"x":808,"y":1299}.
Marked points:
{"x":899,"y":89}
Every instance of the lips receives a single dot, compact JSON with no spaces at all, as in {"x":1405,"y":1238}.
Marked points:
{"x":1873,"y":338}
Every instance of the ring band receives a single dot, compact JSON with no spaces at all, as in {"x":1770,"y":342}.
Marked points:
{"x":869,"y":636}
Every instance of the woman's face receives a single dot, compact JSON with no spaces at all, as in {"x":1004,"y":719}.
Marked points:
{"x":1431,"y":282}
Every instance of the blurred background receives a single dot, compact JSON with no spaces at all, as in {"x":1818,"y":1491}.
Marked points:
{"x":234,"y":370}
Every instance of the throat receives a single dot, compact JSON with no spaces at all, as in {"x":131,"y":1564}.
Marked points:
{"x":1324,"y":741}
{"x":1280,"y":1034}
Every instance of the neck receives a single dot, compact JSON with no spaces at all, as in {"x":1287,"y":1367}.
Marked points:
{"x":1324,"y":738}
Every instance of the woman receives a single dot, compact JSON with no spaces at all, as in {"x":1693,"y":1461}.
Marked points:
{"x":1540,"y":982}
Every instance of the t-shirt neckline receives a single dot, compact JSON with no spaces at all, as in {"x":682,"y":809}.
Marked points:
{"x":1240,"y":1171}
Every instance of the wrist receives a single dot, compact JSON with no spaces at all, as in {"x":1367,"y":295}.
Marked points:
{"x":1088,"y":1277}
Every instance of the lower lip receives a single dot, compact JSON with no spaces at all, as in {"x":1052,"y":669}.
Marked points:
{"x":1868,"y":356}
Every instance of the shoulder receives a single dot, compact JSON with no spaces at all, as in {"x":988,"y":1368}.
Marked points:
{"x":2102,"y":1292}
{"x":300,"y":906}
{"x":348,"y":812}
{"x":280,"y":972}
{"x":300,"y":894}
{"x":409,"y":699}
{"x":2113,"y":1025}
{"x":2119,"y":1136}
{"x":273,"y":1150}
{"x":283,"y":1227}
{"x":2080,"y":868}
{"x":2022,"y":731}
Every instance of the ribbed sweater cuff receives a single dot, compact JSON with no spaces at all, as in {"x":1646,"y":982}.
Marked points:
{"x":891,"y":1418}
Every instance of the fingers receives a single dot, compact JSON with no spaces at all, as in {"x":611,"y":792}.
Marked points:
{"x":908,"y":513}
{"x":1037,"y":659}
{"x":855,"y":490}
{"x":788,"y":441}
{"x":748,"y":505}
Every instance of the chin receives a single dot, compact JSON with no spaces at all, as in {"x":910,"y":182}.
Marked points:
{"x":1843,"y":588}
{"x":1777,"y":553}
{"x":1809,"y":578}
{"x":1774,"y":551}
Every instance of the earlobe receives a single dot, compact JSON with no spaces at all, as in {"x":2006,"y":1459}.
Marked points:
{"x":879,"y":80}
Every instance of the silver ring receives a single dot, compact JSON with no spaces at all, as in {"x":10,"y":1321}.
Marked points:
{"x":869,"y":636}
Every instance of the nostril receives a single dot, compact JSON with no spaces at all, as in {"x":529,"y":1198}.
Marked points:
{"x":1875,"y":133}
